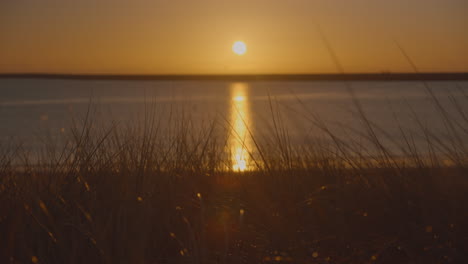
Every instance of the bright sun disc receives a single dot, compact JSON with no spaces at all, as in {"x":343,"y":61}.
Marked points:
{"x":239,"y":48}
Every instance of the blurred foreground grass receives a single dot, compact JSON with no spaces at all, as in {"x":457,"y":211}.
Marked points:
{"x":143,"y":194}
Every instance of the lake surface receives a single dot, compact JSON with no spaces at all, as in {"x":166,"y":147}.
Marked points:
{"x":32,"y":108}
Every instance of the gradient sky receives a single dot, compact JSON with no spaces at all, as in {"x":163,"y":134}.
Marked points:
{"x":195,"y":36}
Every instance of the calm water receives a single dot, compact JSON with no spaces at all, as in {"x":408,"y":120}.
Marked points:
{"x":31,"y":108}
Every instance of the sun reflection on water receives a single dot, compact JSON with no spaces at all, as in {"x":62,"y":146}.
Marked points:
{"x":240,"y":143}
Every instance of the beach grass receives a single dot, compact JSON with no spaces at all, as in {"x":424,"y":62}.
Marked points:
{"x":165,"y":192}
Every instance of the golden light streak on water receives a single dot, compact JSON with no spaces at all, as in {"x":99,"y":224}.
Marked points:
{"x":240,"y":142}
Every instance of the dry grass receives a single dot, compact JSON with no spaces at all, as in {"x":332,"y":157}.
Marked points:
{"x":160,"y":193}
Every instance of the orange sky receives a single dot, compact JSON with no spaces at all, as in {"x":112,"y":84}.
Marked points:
{"x":195,"y":36}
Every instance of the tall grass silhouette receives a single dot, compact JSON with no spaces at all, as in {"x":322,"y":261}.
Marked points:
{"x":163,"y":191}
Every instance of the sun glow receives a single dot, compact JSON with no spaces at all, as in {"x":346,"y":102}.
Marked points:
{"x":239,"y":48}
{"x":239,"y":98}
{"x":240,"y":142}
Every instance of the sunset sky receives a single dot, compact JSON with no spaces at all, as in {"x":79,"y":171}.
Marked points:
{"x":196,"y":36}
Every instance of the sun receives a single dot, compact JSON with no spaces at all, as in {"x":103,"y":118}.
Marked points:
{"x":239,"y":48}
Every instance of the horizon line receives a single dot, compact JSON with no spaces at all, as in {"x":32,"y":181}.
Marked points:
{"x":382,"y":76}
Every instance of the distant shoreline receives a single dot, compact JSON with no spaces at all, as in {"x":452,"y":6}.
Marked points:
{"x":455,"y":76}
